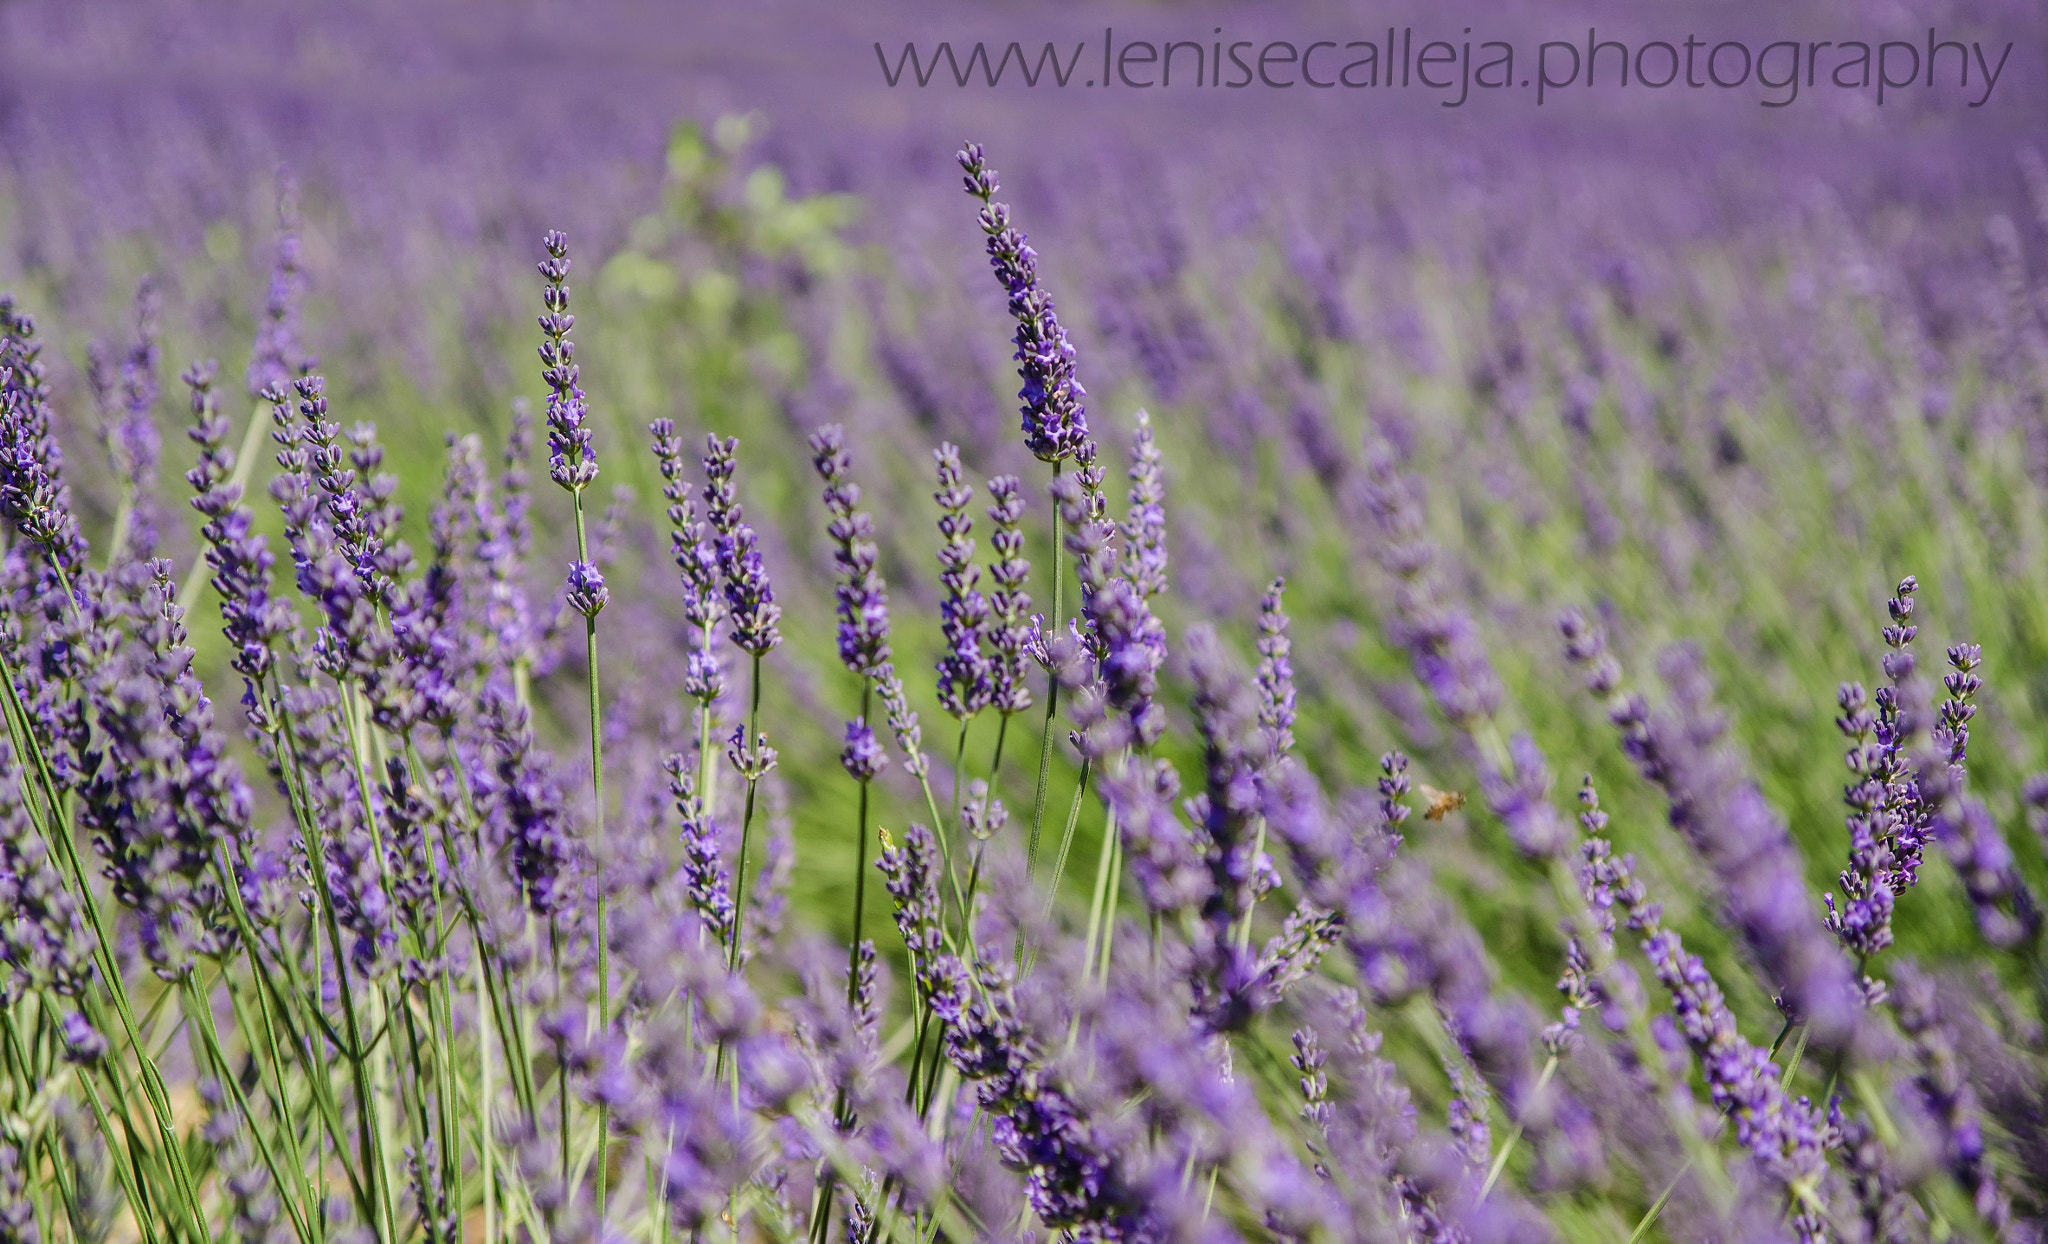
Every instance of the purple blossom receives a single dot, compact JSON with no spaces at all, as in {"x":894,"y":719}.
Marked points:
{"x":1722,"y":814}
{"x":696,"y":557}
{"x":1144,"y":530}
{"x":862,"y":595}
{"x":34,"y":498}
{"x":1009,"y":604}
{"x":528,"y":812}
{"x":572,"y":455}
{"x":749,"y":598}
{"x":587,"y":593}
{"x":43,"y":938}
{"x":703,"y":872}
{"x":965,"y":687}
{"x":1276,"y":673}
{"x":1055,"y":424}
{"x":862,"y":757}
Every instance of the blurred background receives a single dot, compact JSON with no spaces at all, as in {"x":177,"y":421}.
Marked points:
{"x":1720,"y":372}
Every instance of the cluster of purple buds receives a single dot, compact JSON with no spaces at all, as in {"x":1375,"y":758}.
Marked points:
{"x":33,"y":496}
{"x":863,"y":756}
{"x":1785,"y":1135}
{"x":572,"y":456}
{"x":1144,"y":529}
{"x":587,"y":593}
{"x":255,"y":621}
{"x":543,"y":853}
{"x":696,"y":557}
{"x":1276,"y":673}
{"x":862,"y":596}
{"x":703,"y":870}
{"x":1055,"y":423}
{"x":965,"y":685}
{"x":1009,"y":604}
{"x":43,"y":938}
{"x":749,"y":597}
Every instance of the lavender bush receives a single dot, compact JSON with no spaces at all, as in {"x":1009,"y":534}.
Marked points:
{"x":996,"y":811}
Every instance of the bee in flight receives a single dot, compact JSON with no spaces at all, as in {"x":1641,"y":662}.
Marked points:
{"x":1439,"y":803}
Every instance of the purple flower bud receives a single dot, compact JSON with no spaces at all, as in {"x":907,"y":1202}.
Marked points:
{"x":572,"y":455}
{"x":749,"y":598}
{"x":862,"y":757}
{"x":587,"y":593}
{"x":1276,"y":673}
{"x":1055,"y":424}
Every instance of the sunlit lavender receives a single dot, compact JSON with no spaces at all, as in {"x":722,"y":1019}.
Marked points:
{"x":737,"y":680}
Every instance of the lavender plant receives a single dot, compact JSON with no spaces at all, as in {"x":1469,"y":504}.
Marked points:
{"x":381,"y":962}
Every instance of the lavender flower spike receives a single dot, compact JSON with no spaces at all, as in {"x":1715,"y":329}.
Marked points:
{"x":749,"y":597}
{"x":964,"y":683}
{"x":1276,"y":672}
{"x":572,"y":457}
{"x":1144,"y":531}
{"x":1055,"y":424}
{"x":861,"y":593}
{"x":1009,"y":604}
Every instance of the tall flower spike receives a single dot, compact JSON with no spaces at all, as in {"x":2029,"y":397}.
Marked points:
{"x":703,"y":871}
{"x":749,"y":597}
{"x":1144,"y":530}
{"x":965,"y":686}
{"x":1276,"y":672}
{"x":572,"y":457}
{"x":1009,"y":604}
{"x":1055,"y":424}
{"x":255,"y":622}
{"x":696,"y":557}
{"x":1783,"y":1134}
{"x":862,"y":595}
{"x":33,"y":496}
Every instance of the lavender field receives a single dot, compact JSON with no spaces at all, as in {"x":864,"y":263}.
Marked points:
{"x":614,"y":629}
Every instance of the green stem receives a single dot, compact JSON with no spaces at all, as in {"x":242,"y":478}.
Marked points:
{"x":739,"y":889}
{"x":1103,"y":860}
{"x":561,"y":1059}
{"x":485,"y":1144}
{"x":1059,"y":863}
{"x":1052,"y":696}
{"x":604,"y":986}
{"x":201,"y":1017}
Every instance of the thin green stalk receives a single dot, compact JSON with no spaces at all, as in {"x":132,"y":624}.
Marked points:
{"x":604,"y":989}
{"x":57,"y":831}
{"x":200,"y":1016}
{"x":739,"y":894}
{"x":561,"y":1057}
{"x":1103,"y":860}
{"x":369,"y":1132}
{"x":281,"y":1106}
{"x":1059,"y":863}
{"x":1110,"y":895}
{"x":124,"y":1167}
{"x":1052,"y":697}
{"x":485,"y":1145}
{"x":1500,"y":1159}
{"x":1244,"y":928}
{"x":860,"y":857}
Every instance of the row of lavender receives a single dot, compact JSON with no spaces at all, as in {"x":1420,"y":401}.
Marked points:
{"x":424,"y":989}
